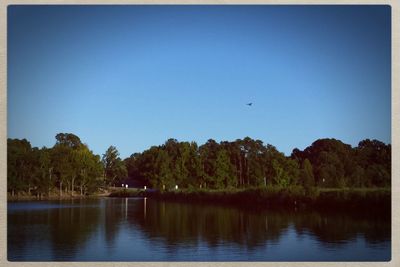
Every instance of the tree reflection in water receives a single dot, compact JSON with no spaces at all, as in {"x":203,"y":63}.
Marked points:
{"x":72,"y":226}
{"x":191,"y":223}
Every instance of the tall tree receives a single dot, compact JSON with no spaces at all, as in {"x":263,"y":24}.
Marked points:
{"x":89,"y":170}
{"x":375,"y":158}
{"x":307,"y":175}
{"x":62,"y":168}
{"x":194,"y":166}
{"x":68,"y":139}
{"x":208,"y":155}
{"x":114,"y":167}
{"x":18,"y":164}
{"x":224,"y":171}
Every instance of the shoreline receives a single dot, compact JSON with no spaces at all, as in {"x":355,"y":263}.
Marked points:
{"x":54,"y":197}
{"x":358,"y":200}
{"x":355,"y":200}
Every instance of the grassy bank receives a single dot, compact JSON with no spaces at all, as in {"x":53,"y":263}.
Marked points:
{"x":357,"y":200}
{"x":131,"y":192}
{"x":55,"y":195}
{"x":364,"y":200}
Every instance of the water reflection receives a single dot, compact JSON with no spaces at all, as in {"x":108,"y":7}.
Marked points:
{"x":179,"y":223}
{"x":81,"y":229}
{"x":64,"y":228}
{"x":188,"y":223}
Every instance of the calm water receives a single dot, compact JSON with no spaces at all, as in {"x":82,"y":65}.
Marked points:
{"x":137,"y":229}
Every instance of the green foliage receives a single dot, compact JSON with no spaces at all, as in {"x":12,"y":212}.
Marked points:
{"x":307,"y":175}
{"x":114,"y":168}
{"x":336,"y":164}
{"x":222,"y":170}
{"x":71,"y":167}
{"x":89,"y":170}
{"x":68,"y":140}
{"x":19,"y":164}
{"x":375,"y":158}
{"x":246,"y":163}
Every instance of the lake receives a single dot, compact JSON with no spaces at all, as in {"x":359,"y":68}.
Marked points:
{"x":143,"y":229}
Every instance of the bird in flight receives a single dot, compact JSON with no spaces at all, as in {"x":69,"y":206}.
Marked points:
{"x":249,"y":104}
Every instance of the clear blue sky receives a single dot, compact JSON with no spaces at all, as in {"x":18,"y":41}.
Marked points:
{"x":134,"y":76}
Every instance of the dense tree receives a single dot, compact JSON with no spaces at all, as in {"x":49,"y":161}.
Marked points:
{"x":247,"y":162}
{"x":336,"y":164}
{"x":224,"y":173}
{"x":208,"y":156}
{"x":194,"y":167}
{"x":375,"y":158}
{"x":18,"y":164}
{"x":307,"y":175}
{"x":68,"y":140}
{"x":89,"y":170}
{"x":62,"y":166}
{"x":38,"y":171}
{"x":280,"y":170}
{"x":114,"y":167}
{"x":178,"y":154}
{"x":41,"y":171}
{"x":70,"y":166}
{"x":330,"y":159}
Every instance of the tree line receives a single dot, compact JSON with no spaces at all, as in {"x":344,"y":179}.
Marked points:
{"x":70,"y":167}
{"x":249,"y":163}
